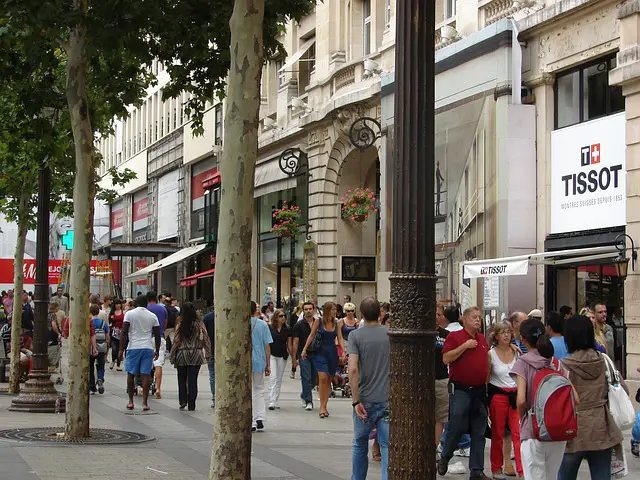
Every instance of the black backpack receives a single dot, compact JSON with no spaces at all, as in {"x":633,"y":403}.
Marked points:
{"x":172,"y":316}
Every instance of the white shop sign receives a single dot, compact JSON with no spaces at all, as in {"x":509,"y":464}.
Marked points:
{"x":168,"y":206}
{"x":588,"y":181}
{"x":502,"y":268}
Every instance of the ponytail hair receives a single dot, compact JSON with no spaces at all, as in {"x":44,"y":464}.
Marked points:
{"x":533,"y":332}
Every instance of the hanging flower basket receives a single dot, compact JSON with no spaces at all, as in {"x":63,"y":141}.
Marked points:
{"x":358,"y":204}
{"x":286,"y":221}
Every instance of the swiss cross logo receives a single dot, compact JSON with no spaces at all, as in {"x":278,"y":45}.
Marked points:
{"x":590,"y":155}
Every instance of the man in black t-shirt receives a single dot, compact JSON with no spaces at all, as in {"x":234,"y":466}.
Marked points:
{"x":442,"y":374}
{"x":301,"y":332}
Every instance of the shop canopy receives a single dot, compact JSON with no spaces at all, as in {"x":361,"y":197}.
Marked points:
{"x":519,"y":265}
{"x":193,"y":279}
{"x":172,"y":259}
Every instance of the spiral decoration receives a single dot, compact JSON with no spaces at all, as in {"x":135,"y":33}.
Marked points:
{"x":364,"y":132}
{"x":290,"y":161}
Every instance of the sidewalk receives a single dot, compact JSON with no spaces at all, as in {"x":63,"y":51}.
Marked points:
{"x":296,"y":444}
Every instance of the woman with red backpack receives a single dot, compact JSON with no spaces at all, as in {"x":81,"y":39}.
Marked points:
{"x":597,"y":431}
{"x":545,"y":401}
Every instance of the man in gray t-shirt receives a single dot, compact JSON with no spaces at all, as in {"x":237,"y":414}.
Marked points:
{"x":369,"y":381}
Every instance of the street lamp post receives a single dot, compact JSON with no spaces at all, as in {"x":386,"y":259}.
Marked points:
{"x":39,"y":394}
{"x":412,"y":448}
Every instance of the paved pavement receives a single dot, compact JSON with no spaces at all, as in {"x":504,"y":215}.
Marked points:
{"x":296,"y":445}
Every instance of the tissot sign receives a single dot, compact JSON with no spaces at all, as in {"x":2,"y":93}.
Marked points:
{"x":503,"y":268}
{"x":588,"y":189}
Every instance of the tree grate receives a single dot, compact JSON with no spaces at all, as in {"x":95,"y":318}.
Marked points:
{"x":98,"y":436}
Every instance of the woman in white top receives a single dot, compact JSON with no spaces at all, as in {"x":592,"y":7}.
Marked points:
{"x":502,"y":398}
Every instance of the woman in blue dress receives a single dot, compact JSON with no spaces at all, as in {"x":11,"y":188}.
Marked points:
{"x":325,"y":356}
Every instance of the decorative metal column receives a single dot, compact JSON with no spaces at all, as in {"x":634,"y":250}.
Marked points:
{"x":38,"y":394}
{"x":412,"y":443}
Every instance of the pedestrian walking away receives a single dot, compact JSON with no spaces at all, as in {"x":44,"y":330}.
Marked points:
{"x":260,"y":366}
{"x":96,"y":363}
{"x":116,"y":322}
{"x":540,"y":460}
{"x":279,"y":355}
{"x":325,"y":356}
{"x":159,"y":311}
{"x":141,"y":340}
{"x":209,"y":323}
{"x":465,"y":351}
{"x":502,"y":392}
{"x":191,"y":349}
{"x":369,"y":379}
{"x":597,"y":431}
{"x":301,"y":332}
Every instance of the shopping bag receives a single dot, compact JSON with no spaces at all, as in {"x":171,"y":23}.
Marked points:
{"x":619,"y":467}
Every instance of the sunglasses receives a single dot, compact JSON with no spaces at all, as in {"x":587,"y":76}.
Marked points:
{"x":350,"y":311}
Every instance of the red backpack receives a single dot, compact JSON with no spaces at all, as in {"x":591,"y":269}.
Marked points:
{"x":553,"y":413}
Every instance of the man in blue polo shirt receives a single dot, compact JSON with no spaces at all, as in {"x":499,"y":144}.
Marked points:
{"x":260,"y":361}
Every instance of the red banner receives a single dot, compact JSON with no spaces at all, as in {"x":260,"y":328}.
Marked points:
{"x":117,"y":219}
{"x":29,"y":268}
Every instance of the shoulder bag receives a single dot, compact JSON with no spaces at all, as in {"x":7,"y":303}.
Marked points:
{"x":619,"y":402}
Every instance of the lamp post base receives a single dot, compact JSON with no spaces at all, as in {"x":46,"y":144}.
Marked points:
{"x":39,"y":395}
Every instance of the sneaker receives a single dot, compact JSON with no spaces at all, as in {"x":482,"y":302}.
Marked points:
{"x":259,"y":424}
{"x":92,"y":392}
{"x":253,"y":429}
{"x":457,"y":468}
{"x":309,"y":407}
{"x":213,"y":404}
{"x":635,"y":448}
{"x":292,"y":375}
{"x":462,"y":452}
{"x":118,"y":369}
{"x":272,"y":406}
{"x":304,"y":403}
{"x":112,"y":366}
{"x":442,"y":467}
{"x":183,"y":406}
{"x":498,"y":475}
{"x":277,"y":406}
{"x":100,"y":387}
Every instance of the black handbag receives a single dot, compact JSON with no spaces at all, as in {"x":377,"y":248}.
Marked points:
{"x":316,"y":342}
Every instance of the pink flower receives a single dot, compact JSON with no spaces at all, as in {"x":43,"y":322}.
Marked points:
{"x":348,"y":191}
{"x":375,"y":210}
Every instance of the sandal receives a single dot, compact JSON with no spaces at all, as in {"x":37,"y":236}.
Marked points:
{"x":130,"y":406}
{"x":146,"y":408}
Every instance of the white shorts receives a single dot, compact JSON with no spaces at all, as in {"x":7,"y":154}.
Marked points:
{"x":163,"y":351}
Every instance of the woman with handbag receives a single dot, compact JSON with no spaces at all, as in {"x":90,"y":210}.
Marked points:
{"x":116,"y":322}
{"x":322,"y":339}
{"x":279,"y":355}
{"x":597,"y":431}
{"x":191,"y":348}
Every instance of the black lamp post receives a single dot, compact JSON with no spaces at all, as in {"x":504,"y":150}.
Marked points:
{"x":621,"y":262}
{"x":292,"y":161}
{"x":412,"y":447}
{"x":39,"y":395}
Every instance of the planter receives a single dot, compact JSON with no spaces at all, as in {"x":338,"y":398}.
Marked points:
{"x":285,"y":234}
{"x":360,"y":218}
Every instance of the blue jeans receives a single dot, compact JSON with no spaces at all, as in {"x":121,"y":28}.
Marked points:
{"x":306,"y":379}
{"x":635,"y":433}
{"x":378,"y":416}
{"x":212,"y":379}
{"x":599,"y":464}
{"x":465,"y":440}
{"x":467,"y":413}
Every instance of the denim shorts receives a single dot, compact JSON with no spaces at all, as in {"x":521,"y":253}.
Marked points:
{"x":139,"y":361}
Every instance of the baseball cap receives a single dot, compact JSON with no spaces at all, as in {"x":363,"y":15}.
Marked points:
{"x":535,"y":313}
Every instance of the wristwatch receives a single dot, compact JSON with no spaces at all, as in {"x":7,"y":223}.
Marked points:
{"x":355,"y":403}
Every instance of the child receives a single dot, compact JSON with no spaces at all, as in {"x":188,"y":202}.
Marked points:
{"x":635,"y":433}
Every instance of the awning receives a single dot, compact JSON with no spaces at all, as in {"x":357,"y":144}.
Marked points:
{"x":298,"y":55}
{"x":519,"y":265}
{"x":268,"y":178}
{"x":193,"y":279}
{"x":166,"y":262}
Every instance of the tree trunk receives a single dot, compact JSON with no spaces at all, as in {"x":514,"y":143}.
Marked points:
{"x":84,"y":191}
{"x":231,"y":452}
{"x":18,"y":284}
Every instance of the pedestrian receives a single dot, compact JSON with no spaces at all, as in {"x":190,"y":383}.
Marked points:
{"x":54,"y":336}
{"x":599,"y":336}
{"x":260,"y":366}
{"x":465,"y":351}
{"x":141,"y":340}
{"x":325,"y":356}
{"x":292,"y":323}
{"x":172,"y":317}
{"x":210,"y":325}
{"x":62,"y":300}
{"x":635,"y":432}
{"x":597,"y":431}
{"x":301,"y":333}
{"x":116,"y":322}
{"x":442,"y":374}
{"x":515,"y":319}
{"x":8,"y":303}
{"x":540,"y":460}
{"x":555,"y":325}
{"x":27,"y":316}
{"x":349,"y":323}
{"x":452,"y":315}
{"x":369,"y":380}
{"x":604,"y":330}
{"x":502,"y":392}
{"x":566,"y":312}
{"x":160,"y":311}
{"x":279,"y":355}
{"x":191,"y":349}
{"x":96,"y":363}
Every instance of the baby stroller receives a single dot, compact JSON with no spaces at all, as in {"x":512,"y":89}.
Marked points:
{"x":340,"y":382}
{"x":137,"y":384}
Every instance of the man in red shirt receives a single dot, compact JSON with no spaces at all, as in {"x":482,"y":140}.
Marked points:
{"x":466,"y":352}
